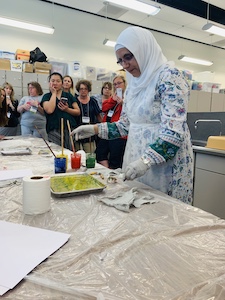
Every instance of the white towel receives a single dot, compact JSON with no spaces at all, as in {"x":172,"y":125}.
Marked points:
{"x":124,"y":200}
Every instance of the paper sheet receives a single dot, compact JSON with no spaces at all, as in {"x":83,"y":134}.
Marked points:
{"x":22,"y":249}
{"x":13,"y":174}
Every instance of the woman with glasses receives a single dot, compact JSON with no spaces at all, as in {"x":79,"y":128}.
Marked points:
{"x":110,"y":153}
{"x":32,"y":114}
{"x":106,"y":93}
{"x":158,"y":151}
{"x":90,"y":114}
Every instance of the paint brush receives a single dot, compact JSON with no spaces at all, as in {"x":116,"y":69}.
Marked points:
{"x":71,"y":139}
{"x":45,"y":141}
{"x":62,"y":135}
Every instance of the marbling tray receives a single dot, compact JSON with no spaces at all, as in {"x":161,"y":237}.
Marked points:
{"x":66,"y":185}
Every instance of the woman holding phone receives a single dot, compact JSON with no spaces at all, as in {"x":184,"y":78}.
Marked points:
{"x":58,"y":104}
{"x":109,"y":153}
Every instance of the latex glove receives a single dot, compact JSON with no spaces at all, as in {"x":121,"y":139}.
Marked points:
{"x":83,"y":131}
{"x":135,"y":169}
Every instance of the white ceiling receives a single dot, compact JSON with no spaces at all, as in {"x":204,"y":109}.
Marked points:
{"x":168,"y":20}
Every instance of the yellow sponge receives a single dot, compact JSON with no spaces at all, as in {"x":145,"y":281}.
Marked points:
{"x":216,"y":142}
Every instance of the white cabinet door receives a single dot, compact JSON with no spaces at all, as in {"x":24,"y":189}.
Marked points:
{"x":27,"y":78}
{"x":43,"y":81}
{"x":209,"y":184}
{"x":218,"y":102}
{"x":14,"y":78}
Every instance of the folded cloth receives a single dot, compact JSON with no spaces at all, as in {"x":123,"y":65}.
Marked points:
{"x":124,"y":200}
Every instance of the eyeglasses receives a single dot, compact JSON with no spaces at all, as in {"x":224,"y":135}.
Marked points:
{"x":83,"y":89}
{"x":126,"y":58}
{"x":118,"y":83}
{"x":107,"y":88}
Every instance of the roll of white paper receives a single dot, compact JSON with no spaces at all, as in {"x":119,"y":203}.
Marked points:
{"x":36,"y":194}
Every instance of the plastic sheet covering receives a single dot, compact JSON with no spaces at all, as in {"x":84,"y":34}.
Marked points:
{"x":167,"y":250}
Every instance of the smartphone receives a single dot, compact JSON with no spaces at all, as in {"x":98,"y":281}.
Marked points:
{"x":119,"y":92}
{"x":64,"y":100}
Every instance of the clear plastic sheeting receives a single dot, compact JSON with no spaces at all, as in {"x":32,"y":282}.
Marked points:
{"x":166,"y":250}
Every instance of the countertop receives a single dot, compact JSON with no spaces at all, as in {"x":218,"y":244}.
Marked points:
{"x":210,"y":151}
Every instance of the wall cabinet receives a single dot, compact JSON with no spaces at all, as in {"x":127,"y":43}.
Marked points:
{"x":20,"y":80}
{"x":206,"y":102}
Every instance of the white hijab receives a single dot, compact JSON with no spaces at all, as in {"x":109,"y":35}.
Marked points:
{"x":148,"y":54}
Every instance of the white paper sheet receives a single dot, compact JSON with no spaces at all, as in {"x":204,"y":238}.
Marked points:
{"x":22,"y":249}
{"x":13,"y":174}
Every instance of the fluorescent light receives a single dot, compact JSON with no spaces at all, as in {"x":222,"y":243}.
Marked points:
{"x":195,"y":60}
{"x":109,"y":43}
{"x":137,"y":5}
{"x":209,"y":27}
{"x":26,"y":25}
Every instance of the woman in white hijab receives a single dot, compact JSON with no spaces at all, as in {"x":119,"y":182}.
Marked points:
{"x":158,"y":151}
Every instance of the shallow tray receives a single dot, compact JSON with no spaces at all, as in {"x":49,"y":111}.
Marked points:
{"x":67,"y":185}
{"x":19,"y":151}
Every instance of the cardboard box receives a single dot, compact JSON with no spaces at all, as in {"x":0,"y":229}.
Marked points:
{"x":42,"y":66}
{"x":7,"y":54}
{"x":40,"y":71}
{"x":16,"y":65}
{"x":27,"y":67}
{"x":22,"y":54}
{"x":5,"y":64}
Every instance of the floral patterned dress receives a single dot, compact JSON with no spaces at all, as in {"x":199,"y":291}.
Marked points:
{"x":158,"y":132}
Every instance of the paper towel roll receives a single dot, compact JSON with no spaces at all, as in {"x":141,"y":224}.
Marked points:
{"x":36,"y":194}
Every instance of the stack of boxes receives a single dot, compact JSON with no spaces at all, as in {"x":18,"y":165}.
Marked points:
{"x":19,"y":61}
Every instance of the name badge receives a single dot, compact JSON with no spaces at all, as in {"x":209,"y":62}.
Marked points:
{"x":86,"y":120}
{"x":110,"y":113}
{"x":33,"y":109}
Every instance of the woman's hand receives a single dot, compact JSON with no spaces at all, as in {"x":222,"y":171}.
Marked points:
{"x":84,"y":131}
{"x":62,"y":106}
{"x":117,"y":99}
{"x":52,"y":89}
{"x":26,"y":106}
{"x":34,"y":103}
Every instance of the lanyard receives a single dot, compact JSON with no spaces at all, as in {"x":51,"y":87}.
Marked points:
{"x":85,"y":119}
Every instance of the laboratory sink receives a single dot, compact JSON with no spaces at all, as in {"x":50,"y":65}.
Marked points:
{"x":200,"y":143}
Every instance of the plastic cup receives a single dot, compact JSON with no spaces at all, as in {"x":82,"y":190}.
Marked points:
{"x":90,"y":160}
{"x":60,"y":164}
{"x":63,"y":156}
{"x":75,"y":160}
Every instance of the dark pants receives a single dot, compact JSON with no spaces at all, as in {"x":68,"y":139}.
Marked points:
{"x":111,"y":150}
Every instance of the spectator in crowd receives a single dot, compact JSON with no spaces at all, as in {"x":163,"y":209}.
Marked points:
{"x":106,"y":93}
{"x":11,"y":128}
{"x":33,"y":120}
{"x":3,"y":109}
{"x":110,"y":153}
{"x":58,"y":104}
{"x":68,"y":85}
{"x":90,"y":114}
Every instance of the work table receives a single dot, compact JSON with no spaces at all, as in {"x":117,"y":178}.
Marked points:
{"x":166,"y":250}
